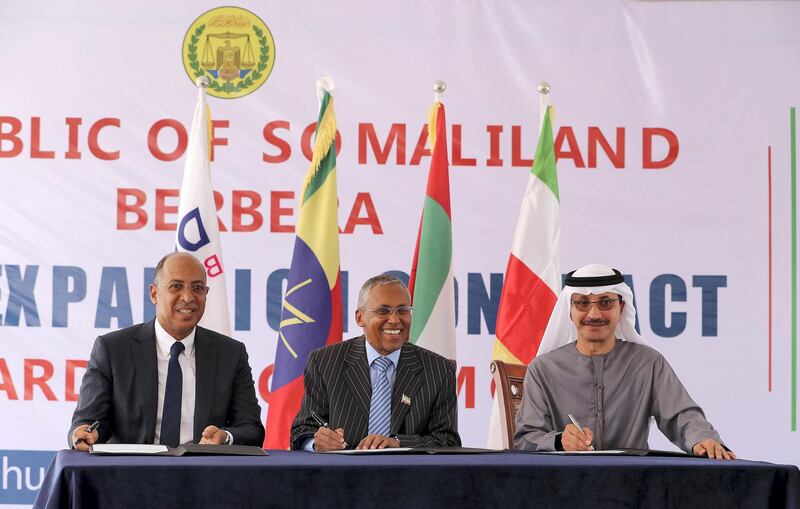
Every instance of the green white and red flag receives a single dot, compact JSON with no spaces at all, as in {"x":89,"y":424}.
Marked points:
{"x":533,"y":275}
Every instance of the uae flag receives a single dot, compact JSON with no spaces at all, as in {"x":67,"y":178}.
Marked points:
{"x":312,"y":307}
{"x":533,"y":275}
{"x":431,"y":279}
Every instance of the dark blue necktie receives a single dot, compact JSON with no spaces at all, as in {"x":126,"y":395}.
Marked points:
{"x":171,"y":416}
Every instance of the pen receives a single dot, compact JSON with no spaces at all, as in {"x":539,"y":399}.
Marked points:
{"x":322,"y":422}
{"x":578,"y":425}
{"x":91,"y":428}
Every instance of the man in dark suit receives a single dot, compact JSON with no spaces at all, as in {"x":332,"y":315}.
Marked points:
{"x":378,"y":390}
{"x":169,"y":381}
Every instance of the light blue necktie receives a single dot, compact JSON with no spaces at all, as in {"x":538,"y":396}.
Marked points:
{"x":380,"y":408}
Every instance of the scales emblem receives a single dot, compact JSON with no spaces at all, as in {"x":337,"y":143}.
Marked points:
{"x":233,"y":48}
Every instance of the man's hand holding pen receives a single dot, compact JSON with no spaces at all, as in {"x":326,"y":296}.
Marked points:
{"x":576,"y":439}
{"x":85,"y":435}
{"x":326,"y":439}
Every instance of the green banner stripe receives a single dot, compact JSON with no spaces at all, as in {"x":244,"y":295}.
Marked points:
{"x":433,"y":265}
{"x":793,"y":143}
{"x":544,"y":161}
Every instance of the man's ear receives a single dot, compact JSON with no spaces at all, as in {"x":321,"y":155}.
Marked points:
{"x":153,"y":292}
{"x":359,"y":318}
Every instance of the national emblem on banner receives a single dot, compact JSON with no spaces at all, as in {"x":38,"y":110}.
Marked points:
{"x":233,"y":48}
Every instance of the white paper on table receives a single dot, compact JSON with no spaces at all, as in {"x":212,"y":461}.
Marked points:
{"x":128,"y":448}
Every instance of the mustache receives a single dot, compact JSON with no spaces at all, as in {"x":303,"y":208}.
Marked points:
{"x":594,"y":321}
{"x":184,"y":304}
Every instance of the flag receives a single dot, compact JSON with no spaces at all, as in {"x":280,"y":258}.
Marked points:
{"x":312,"y":307}
{"x":198,"y":231}
{"x":533,"y":275}
{"x":431,"y":280}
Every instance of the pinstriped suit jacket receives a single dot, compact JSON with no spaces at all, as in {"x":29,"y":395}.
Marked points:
{"x":338,"y":389}
{"x":120,"y":387}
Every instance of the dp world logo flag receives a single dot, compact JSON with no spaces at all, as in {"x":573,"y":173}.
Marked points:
{"x":198,"y":230}
{"x":232,"y":48}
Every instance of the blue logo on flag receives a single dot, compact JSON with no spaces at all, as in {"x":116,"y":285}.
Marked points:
{"x":199,"y":231}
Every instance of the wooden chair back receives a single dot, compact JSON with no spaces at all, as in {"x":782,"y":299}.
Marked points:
{"x":508,"y":379}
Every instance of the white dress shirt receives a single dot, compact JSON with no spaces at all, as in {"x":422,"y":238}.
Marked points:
{"x":187,"y":361}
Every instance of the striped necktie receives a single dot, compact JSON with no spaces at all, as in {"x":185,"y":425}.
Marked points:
{"x":171,"y":416}
{"x":380,"y":408}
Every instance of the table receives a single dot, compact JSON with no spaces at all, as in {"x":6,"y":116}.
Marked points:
{"x":507,"y":479}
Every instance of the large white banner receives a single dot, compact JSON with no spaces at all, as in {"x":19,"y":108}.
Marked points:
{"x":674,"y":135}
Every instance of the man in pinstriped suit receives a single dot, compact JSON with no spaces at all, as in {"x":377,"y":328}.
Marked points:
{"x":124,"y":384}
{"x":339,"y":381}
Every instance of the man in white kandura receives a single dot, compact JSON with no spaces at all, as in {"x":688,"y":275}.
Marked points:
{"x":606,"y":377}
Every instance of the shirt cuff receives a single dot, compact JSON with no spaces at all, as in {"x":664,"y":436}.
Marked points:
{"x":308,"y":445}
{"x":229,"y":441}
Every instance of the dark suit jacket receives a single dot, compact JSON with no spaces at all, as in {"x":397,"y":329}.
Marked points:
{"x":120,"y":387}
{"x":338,"y":389}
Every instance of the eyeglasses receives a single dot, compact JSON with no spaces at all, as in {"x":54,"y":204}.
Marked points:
{"x":198,"y":289}
{"x":402,"y":311}
{"x":602,"y":304}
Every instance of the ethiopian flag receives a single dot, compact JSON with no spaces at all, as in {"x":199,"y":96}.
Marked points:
{"x":312,"y":307}
{"x":431,"y":281}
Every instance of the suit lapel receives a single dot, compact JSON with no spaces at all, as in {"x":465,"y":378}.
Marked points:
{"x":356,"y":372}
{"x":145,"y":365}
{"x":406,"y":382}
{"x":205,"y":359}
